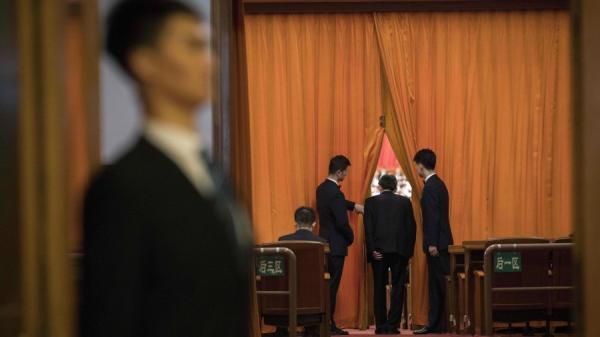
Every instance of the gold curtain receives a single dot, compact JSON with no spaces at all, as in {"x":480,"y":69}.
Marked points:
{"x":314,"y":91}
{"x":489,"y":92}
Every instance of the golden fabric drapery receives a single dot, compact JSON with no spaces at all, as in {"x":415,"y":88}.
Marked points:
{"x":489,"y":92}
{"x":312,"y":94}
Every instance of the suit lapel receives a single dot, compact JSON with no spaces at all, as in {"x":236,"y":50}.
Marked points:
{"x":165,"y":164}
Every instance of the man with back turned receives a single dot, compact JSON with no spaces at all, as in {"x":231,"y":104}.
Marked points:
{"x":390,"y":231}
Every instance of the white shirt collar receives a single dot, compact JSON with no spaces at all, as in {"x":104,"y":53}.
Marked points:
{"x":173,"y":137}
{"x":184,"y":147}
{"x":333,"y":181}
{"x":429,"y":176}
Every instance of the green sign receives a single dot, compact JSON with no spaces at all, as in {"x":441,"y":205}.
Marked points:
{"x":270,"y":265}
{"x":507,"y":262}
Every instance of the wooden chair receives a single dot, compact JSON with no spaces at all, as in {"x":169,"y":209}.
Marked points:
{"x":472,"y":259}
{"x":454,"y":300}
{"x":563,"y":302}
{"x":461,"y":308}
{"x":513,"y":305}
{"x":311,"y":291}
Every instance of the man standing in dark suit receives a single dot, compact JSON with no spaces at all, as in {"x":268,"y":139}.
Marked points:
{"x":165,"y":248}
{"x":437,"y":236}
{"x":390,"y":231}
{"x":334,"y":226}
{"x":305,"y":223}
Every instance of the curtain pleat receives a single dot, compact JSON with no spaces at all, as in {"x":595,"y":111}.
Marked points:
{"x":489,"y":92}
{"x":313,"y":95}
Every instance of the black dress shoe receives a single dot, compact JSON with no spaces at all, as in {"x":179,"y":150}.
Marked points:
{"x":392,"y":331}
{"x":381,"y":330}
{"x":335,"y":331}
{"x":311,"y":331}
{"x":424,"y":331}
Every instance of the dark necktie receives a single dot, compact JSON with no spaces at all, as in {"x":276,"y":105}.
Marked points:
{"x":212,"y":171}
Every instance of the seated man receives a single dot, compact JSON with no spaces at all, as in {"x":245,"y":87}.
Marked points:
{"x":305,"y":222}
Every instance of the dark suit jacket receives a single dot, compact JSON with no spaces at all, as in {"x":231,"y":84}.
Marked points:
{"x":334,"y":225}
{"x":390,"y":225}
{"x":302,"y":235}
{"x":436,"y":215}
{"x":159,"y":258}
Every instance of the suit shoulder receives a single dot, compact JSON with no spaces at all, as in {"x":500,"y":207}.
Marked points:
{"x":328,"y":191}
{"x":322,"y":187}
{"x":125,"y":174}
{"x":110,"y":185}
{"x":108,"y":176}
{"x":404,"y":199}
{"x":439,"y":185}
{"x":284,"y":238}
{"x":399,"y":200}
{"x":437,"y":181}
{"x":326,"y":186}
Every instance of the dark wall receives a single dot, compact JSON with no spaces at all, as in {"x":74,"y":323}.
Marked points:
{"x":10,"y":273}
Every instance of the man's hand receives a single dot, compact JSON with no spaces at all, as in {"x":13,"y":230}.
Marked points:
{"x":433,"y":251}
{"x":358,"y":208}
{"x":377,"y":255}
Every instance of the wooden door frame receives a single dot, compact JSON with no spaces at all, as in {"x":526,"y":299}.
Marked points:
{"x":48,"y":271}
{"x":586,"y":103}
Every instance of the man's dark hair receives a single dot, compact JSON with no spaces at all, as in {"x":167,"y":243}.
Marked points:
{"x":425,"y":157}
{"x":388,"y":182}
{"x":338,"y":163}
{"x":135,"y":23}
{"x":305,"y":216}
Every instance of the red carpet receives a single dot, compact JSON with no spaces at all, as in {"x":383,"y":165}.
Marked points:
{"x":371,"y":333}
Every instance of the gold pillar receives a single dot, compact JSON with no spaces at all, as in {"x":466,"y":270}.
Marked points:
{"x":48,"y":275}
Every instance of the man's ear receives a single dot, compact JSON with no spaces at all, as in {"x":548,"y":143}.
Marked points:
{"x":141,"y":62}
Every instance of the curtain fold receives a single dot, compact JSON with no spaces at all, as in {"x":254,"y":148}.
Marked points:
{"x":312,"y":94}
{"x":372,"y":151}
{"x":489,"y":92}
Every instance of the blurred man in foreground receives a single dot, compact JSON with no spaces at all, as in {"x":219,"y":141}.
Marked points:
{"x":165,"y":252}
